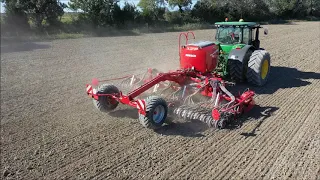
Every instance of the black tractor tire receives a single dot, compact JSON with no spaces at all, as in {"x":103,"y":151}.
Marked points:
{"x":154,"y":103}
{"x":104,"y":102}
{"x":238,"y":69}
{"x":258,"y":72}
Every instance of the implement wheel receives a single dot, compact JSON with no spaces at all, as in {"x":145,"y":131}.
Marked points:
{"x":156,"y":112}
{"x":106,"y":103}
{"x":258,"y":68}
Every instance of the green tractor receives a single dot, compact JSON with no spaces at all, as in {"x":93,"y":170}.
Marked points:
{"x":241,"y":57}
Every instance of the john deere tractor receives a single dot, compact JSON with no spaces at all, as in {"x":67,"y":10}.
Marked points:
{"x":241,"y":58}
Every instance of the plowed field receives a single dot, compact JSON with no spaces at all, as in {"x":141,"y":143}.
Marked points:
{"x":51,"y":130}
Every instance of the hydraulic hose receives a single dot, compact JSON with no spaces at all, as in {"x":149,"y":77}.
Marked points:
{"x":224,"y":89}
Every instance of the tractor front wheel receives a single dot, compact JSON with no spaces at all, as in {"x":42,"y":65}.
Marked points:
{"x":258,"y":68}
{"x":156,"y":112}
{"x":106,"y":103}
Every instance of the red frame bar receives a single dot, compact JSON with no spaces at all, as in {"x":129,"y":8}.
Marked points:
{"x":186,"y":34}
{"x":180,"y":77}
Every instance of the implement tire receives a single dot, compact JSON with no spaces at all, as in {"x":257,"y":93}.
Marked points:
{"x":156,"y":113}
{"x":258,"y":68}
{"x":105,"y":103}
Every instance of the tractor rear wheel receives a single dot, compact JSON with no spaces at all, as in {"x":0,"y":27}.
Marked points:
{"x":105,"y":103}
{"x":156,"y":113}
{"x":258,"y":68}
{"x":237,"y":69}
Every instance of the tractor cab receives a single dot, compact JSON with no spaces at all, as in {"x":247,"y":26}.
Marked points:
{"x":232,"y":33}
{"x":241,"y":57}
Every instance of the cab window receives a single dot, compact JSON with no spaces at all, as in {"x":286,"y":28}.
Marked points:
{"x":246,"y":35}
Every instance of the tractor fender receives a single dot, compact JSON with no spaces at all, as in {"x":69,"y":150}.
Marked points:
{"x":239,"y":54}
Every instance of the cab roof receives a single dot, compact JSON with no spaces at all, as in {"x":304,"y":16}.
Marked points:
{"x":237,"y":23}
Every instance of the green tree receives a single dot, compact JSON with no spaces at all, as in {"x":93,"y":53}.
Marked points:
{"x":313,"y":7}
{"x":152,"y":10}
{"x":180,"y":3}
{"x":38,"y":10}
{"x":303,"y":8}
{"x":208,"y":11}
{"x":249,"y":10}
{"x":130,"y":12}
{"x":281,"y":8}
{"x":48,"y":10}
{"x":15,"y":19}
{"x":98,"y":12}
{"x":127,"y":14}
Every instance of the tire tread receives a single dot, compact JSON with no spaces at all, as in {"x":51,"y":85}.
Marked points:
{"x":101,"y":104}
{"x":151,"y":102}
{"x":254,"y":67}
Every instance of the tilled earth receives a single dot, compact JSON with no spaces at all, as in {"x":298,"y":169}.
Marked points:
{"x":51,"y":130}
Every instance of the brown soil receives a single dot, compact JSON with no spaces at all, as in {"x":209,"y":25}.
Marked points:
{"x":51,"y":130}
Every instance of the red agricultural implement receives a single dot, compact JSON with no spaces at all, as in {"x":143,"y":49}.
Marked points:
{"x":192,"y":92}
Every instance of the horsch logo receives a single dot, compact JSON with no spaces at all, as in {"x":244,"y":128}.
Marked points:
{"x":191,"y":55}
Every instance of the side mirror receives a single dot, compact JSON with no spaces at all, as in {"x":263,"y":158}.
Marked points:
{"x":266,"y":31}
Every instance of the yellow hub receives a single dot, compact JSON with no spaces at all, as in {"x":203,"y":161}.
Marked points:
{"x":264,"y":69}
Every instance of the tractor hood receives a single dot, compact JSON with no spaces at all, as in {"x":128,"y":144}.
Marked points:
{"x":228,"y":47}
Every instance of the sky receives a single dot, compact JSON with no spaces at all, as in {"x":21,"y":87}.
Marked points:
{"x":121,"y":3}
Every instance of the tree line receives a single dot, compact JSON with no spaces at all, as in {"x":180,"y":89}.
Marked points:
{"x":101,"y":13}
